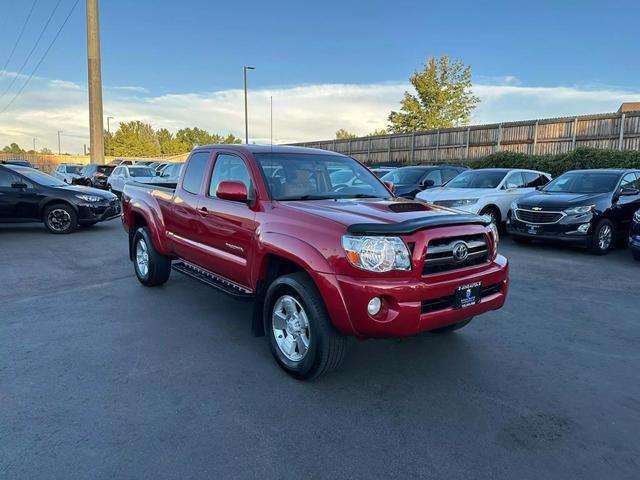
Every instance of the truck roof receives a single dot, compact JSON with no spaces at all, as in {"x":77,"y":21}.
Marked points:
{"x":268,"y":149}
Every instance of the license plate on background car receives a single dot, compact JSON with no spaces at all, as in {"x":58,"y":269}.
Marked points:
{"x":533,"y":229}
{"x":467,"y":295}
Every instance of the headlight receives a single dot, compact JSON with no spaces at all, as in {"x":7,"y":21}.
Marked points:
{"x":578,"y":210}
{"x":463,"y":203}
{"x":636,"y":216}
{"x":377,"y":254}
{"x":89,"y":198}
{"x":496,"y":238}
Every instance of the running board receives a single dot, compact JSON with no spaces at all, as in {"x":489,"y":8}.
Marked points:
{"x":213,"y":280}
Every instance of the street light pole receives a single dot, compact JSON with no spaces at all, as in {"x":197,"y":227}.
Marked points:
{"x":59,"y":150}
{"x":109,"y":135}
{"x":246,"y":118}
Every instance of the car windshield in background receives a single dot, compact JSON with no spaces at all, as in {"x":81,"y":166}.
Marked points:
{"x":141,"y":172}
{"x":404,"y":176}
{"x":105,"y":170}
{"x":294,"y":176}
{"x":40,"y":178}
{"x":73,"y":168}
{"x":584,"y":182}
{"x":477,"y":179}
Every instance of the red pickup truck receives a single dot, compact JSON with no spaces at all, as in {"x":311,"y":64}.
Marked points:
{"x":320,"y":245}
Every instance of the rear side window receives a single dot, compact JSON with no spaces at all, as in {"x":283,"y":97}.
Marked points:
{"x":533,"y":180}
{"x":195,"y":171}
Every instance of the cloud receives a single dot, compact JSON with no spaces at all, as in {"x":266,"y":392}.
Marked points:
{"x":300,"y":113}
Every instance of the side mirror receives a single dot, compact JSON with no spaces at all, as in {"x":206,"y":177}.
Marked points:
{"x":427,"y":183}
{"x":19,"y":186}
{"x":234,"y":191}
{"x":629,"y":192}
{"x":390,"y":186}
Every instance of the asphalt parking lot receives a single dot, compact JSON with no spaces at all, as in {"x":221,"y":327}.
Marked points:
{"x":103,"y":378}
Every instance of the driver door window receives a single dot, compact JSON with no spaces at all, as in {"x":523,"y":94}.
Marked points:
{"x":514,"y":180}
{"x":435,"y":175}
{"x":229,"y":168}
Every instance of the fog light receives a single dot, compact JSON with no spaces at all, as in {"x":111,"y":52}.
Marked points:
{"x":584,"y":228}
{"x":374,"y":305}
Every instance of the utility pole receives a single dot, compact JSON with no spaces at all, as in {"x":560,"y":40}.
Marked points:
{"x":96,"y":126}
{"x":246,"y":118}
{"x":109,"y":136}
{"x":34,"y":144}
{"x":59,"y":150}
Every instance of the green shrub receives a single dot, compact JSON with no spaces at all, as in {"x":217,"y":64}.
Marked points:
{"x":581,"y":158}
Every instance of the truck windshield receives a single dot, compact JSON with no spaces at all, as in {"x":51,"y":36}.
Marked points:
{"x":302,"y":176}
{"x":584,"y":182}
{"x":478,"y":179}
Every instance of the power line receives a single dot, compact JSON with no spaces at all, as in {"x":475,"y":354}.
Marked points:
{"x":44,"y":55}
{"x":32,"y":50}
{"x":24,"y":26}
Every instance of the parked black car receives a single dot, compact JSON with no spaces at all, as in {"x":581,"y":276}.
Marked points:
{"x":94,"y":175}
{"x":593,"y":208}
{"x":408,"y":181}
{"x":22,"y":163}
{"x":634,"y":236}
{"x":29,"y":195}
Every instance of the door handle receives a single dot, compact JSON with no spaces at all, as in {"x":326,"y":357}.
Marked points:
{"x":203,"y":211}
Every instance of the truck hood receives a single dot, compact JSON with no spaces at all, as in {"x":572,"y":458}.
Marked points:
{"x":354,"y":211}
{"x":560,"y":201}
{"x":444,"y":193}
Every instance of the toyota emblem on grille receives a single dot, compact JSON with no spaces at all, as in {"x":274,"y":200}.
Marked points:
{"x":460,"y":251}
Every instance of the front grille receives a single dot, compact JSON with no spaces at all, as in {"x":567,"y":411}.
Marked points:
{"x":440,"y":253}
{"x":531,"y":216}
{"x":441,"y":303}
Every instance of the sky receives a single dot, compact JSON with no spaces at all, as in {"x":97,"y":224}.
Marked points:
{"x":327,"y":65}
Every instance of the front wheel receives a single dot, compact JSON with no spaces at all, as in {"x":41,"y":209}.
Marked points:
{"x":60,"y":218}
{"x":152,"y":268}
{"x":602,"y":238}
{"x":492,"y":213}
{"x":301,"y":336}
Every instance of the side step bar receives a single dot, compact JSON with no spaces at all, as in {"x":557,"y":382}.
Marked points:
{"x":213,"y":280}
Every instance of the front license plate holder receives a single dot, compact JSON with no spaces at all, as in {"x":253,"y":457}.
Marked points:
{"x":467,"y":295}
{"x":533,"y":229}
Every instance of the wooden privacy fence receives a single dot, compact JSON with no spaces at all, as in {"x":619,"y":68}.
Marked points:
{"x":48,"y":162}
{"x":535,"y":137}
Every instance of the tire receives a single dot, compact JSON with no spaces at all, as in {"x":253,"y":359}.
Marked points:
{"x":451,"y":328}
{"x":60,"y":218}
{"x":601,"y":242}
{"x":492,"y":212}
{"x":151,"y":267}
{"x":521,"y":240}
{"x":309,"y":327}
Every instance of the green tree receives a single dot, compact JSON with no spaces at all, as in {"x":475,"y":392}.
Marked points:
{"x":377,"y":133}
{"x":135,"y":138}
{"x":46,"y":151}
{"x":342,"y":134}
{"x":443,"y":98}
{"x":13,"y":148}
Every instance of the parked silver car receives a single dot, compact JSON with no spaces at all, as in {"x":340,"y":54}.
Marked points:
{"x":67,"y":172}
{"x":128,"y":174}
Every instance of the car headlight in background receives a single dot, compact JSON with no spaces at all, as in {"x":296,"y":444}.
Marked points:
{"x":463,"y":202}
{"x":377,"y":254}
{"x":496,"y":238}
{"x":636,"y":216}
{"x":579,"y":210}
{"x":89,"y":198}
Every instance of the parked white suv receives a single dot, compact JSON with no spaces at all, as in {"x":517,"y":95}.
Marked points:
{"x":127,"y":174}
{"x":487,"y":191}
{"x":67,"y":172}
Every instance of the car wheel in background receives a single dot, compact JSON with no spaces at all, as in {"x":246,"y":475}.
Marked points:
{"x":60,"y":218}
{"x":152,"y":268}
{"x":301,"y":337}
{"x":492,"y":213}
{"x":451,"y":328}
{"x":602,"y":238}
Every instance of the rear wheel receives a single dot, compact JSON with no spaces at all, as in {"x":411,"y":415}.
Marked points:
{"x":602,"y":238}
{"x":301,"y":336}
{"x":451,"y":328}
{"x":151,"y":267}
{"x":60,"y":218}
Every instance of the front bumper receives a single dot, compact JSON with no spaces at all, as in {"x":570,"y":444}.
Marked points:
{"x":410,"y":306}
{"x":99,"y":211}
{"x":565,"y":230}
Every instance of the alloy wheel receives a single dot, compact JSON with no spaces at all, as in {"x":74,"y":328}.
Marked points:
{"x":604,"y":237}
{"x":59,"y":219}
{"x":290,"y":325}
{"x":142,"y":257}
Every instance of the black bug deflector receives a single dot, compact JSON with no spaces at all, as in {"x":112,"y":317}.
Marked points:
{"x":413,"y":225}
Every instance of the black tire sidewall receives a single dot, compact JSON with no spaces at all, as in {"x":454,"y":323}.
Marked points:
{"x":67,"y":208}
{"x":159,"y":265}
{"x":142,"y":233}
{"x":288,"y":285}
{"x":595,"y":245}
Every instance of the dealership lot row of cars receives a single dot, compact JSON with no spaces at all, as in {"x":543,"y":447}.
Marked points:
{"x":591,"y":208}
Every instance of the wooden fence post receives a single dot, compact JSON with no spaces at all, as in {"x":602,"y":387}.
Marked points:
{"x":466,"y":154}
{"x":389,"y":150}
{"x":369,"y":151}
{"x":438,"y":146}
{"x":575,"y":131}
{"x":535,"y":137}
{"x":621,"y":139}
{"x":499,"y":137}
{"x":413,"y":146}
